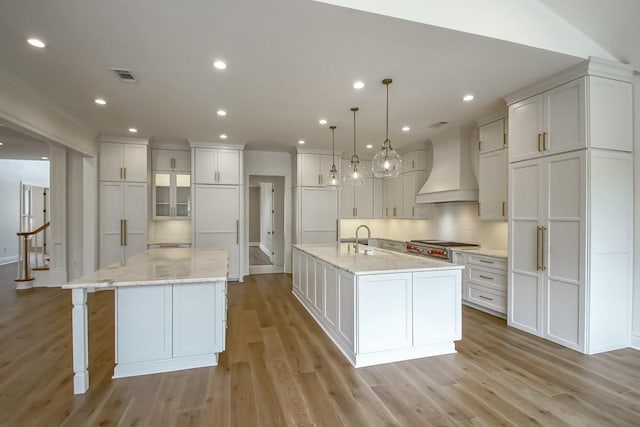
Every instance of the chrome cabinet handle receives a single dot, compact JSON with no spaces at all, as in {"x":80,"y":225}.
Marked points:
{"x":486,"y":277}
{"x":487,"y":298}
{"x":485,"y":261}
{"x":125,"y":233}
{"x":503,"y":208}
{"x":122,"y":232}
{"x":121,"y":176}
{"x":413,"y":211}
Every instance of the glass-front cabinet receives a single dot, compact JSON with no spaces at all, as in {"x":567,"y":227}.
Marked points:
{"x":171,"y":195}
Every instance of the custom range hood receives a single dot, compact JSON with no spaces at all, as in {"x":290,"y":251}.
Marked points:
{"x":451,"y":178}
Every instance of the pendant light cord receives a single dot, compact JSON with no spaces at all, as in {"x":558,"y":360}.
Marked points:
{"x":333,"y":145}
{"x":387,"y":140}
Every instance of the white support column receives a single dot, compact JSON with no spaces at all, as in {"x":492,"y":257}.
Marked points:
{"x":58,"y":215}
{"x":80,"y":333}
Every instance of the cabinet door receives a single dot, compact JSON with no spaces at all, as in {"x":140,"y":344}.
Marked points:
{"x":182,"y":160}
{"x":565,"y":117}
{"x":346,"y":308}
{"x":414,"y":161}
{"x":347,"y":202}
{"x":182,"y":195}
{"x":319,"y":215}
{"x":135,"y":163}
{"x":318,"y":299}
{"x":330,"y":311}
{"x":392,"y":195}
{"x":217,"y":221}
{"x":412,"y":183}
{"x":526,"y":123}
{"x":135,"y":215}
{"x":110,"y":162}
{"x":492,"y":136}
{"x":526,"y":198}
{"x":492,"y":185}
{"x":161,"y":159}
{"x":206,"y":160}
{"x":378,"y":205}
{"x":194,"y":319}
{"x":437,"y":314}
{"x":229,"y":167}
{"x":311,"y":170}
{"x":564,"y":248}
{"x":389,"y":294}
{"x":111,"y":215}
{"x":162,"y":195}
{"x":364,"y":199}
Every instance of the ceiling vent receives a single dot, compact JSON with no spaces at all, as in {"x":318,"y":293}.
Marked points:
{"x":125,"y":75}
{"x":437,"y":125}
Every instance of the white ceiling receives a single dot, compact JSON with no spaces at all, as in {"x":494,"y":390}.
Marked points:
{"x":291,"y":62}
{"x":17,"y":145}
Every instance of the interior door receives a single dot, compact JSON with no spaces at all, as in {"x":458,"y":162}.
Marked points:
{"x":218,"y":221}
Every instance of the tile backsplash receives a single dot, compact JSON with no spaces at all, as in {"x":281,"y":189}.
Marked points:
{"x":456,"y":221}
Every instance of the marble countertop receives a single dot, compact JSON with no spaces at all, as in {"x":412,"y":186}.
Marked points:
{"x":159,"y":267}
{"x":381,"y":261}
{"x":486,"y":251}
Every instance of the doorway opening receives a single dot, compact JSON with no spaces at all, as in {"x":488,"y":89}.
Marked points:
{"x":266,"y":224}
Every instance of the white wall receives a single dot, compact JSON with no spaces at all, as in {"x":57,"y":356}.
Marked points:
{"x":75,"y":223}
{"x":635,"y":330}
{"x":268,"y":163}
{"x":11,"y":173}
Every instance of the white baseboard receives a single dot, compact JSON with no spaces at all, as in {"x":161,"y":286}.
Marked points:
{"x":635,"y":340}
{"x":9,"y":259}
{"x":264,"y":249}
{"x":123,"y":370}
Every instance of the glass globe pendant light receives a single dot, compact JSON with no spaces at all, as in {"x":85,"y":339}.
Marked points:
{"x":333,"y":179}
{"x":387,"y":161}
{"x":354,"y":176}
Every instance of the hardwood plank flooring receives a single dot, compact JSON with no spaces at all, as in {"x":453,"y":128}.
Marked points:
{"x":280,"y":369}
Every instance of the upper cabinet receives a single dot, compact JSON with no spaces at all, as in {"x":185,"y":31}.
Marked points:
{"x":217,"y":166}
{"x":492,"y":185}
{"x":493,"y":136}
{"x":555,"y":121}
{"x":415,"y":161}
{"x":358,"y":201}
{"x":314,"y":167}
{"x":171,"y":160}
{"x":123,"y":161}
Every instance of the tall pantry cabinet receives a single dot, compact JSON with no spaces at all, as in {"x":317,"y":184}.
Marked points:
{"x":217,"y":176}
{"x":316,"y":207}
{"x":123,"y":198}
{"x":571,"y":209}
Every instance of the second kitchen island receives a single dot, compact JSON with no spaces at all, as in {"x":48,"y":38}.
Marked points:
{"x":382,"y":306}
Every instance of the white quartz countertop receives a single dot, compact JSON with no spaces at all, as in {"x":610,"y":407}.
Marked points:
{"x":381,"y":261}
{"x":485,"y":251}
{"x":160,"y":267}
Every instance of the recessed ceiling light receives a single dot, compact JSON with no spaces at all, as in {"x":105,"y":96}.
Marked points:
{"x":358,"y":85}
{"x":100,"y":101}
{"x":36,"y":43}
{"x":369,"y":145}
{"x":301,"y":141}
{"x":406,"y":128}
{"x":468,"y":98}
{"x":1,"y":143}
{"x":220,"y":65}
{"x":44,"y":158}
{"x":222,"y":113}
{"x":133,"y":130}
{"x":322,"y":121}
{"x":223,"y":136}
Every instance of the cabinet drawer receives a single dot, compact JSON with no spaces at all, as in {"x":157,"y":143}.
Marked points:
{"x":487,"y":261}
{"x":489,"y":298}
{"x":489,"y":277}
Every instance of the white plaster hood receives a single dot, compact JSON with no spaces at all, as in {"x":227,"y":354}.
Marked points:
{"x":451,"y":178}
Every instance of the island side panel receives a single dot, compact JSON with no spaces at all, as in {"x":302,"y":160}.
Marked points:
{"x":437,"y":307}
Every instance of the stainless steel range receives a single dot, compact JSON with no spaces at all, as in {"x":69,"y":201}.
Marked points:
{"x":437,"y":248}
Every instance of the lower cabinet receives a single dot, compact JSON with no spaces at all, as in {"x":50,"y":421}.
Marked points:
{"x":168,"y":327}
{"x":484,"y":283}
{"x":380,"y":318}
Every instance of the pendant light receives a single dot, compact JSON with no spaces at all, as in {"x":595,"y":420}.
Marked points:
{"x":355,"y":175}
{"x":333,"y":179}
{"x":387,"y":161}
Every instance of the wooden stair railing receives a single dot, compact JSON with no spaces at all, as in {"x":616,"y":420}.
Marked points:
{"x":25,"y":239}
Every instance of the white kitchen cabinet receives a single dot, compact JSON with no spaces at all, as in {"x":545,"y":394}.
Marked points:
{"x":171,"y":195}
{"x":378,"y":201}
{"x":330,"y":311}
{"x":318,"y":213}
{"x":217,"y":221}
{"x":217,"y":166}
{"x":123,"y":161}
{"x":569,"y":264}
{"x":314,"y":167}
{"x":493,"y":136}
{"x":412,"y":182}
{"x":416,"y":160}
{"x":393,"y":197}
{"x":123,"y":220}
{"x":357,"y":201}
{"x":170,"y":160}
{"x":435,"y":296}
{"x":492,"y":185}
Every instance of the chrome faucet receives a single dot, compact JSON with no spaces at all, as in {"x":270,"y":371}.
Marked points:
{"x":355,"y":244}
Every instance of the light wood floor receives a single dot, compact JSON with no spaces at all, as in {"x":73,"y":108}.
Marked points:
{"x":280,"y":369}
{"x":257,"y":257}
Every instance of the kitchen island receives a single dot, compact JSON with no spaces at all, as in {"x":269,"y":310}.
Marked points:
{"x":170,"y":312}
{"x":381,"y":306}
